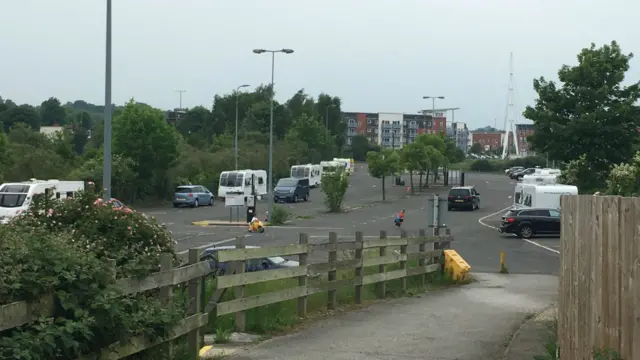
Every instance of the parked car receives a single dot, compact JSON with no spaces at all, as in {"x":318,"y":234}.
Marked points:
{"x":518,"y":175}
{"x":513,"y":169}
{"x":529,"y":222}
{"x":291,"y":190}
{"x":267,"y":263}
{"x":192,"y":195}
{"x":463,"y":197}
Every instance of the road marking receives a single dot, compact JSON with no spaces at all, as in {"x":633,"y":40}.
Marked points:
{"x":204,"y":350}
{"x":351,"y":236}
{"x":303,"y":228}
{"x":481,"y":222}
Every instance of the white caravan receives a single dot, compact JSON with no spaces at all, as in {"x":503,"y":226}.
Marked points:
{"x":240,"y":181}
{"x":309,"y":171}
{"x":545,"y":196}
{"x":348,"y":165}
{"x":15,"y":198}
{"x":330,"y":167}
{"x":540,"y":177}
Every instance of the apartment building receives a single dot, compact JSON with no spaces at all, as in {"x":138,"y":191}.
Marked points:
{"x":459,"y":133}
{"x":391,"y":130}
{"x":522,"y":132}
{"x":490,"y":140}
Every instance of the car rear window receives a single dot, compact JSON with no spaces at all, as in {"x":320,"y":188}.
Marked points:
{"x":183,"y":190}
{"x":512,"y":213}
{"x":459,"y":192}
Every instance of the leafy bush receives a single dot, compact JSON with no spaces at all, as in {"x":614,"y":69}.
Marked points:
{"x":334,"y":185}
{"x":280,"y":215}
{"x":483,"y":165}
{"x":61,"y":248}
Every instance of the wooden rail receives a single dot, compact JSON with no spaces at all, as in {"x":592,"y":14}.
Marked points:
{"x":309,"y":281}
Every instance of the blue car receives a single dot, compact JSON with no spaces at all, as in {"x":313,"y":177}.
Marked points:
{"x":275,"y":262}
{"x":192,"y":195}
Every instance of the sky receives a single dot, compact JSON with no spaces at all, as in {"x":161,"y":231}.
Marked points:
{"x":376,"y":55}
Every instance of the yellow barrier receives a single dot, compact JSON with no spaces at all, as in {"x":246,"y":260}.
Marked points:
{"x":455,"y":265}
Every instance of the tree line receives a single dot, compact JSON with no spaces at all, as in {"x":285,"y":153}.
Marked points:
{"x":151,"y":156}
{"x":590,"y":121}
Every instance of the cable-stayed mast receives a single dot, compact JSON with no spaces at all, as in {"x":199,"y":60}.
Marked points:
{"x":510,"y":116}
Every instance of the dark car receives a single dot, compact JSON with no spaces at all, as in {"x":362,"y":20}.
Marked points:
{"x":528,"y":222}
{"x":275,"y":262}
{"x":518,"y":175}
{"x":463,"y":197}
{"x":291,"y":190}
{"x":513,"y":169}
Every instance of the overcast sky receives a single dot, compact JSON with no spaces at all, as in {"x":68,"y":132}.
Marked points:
{"x":377,"y":55}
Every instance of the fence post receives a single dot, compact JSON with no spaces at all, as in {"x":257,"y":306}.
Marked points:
{"x":240,"y":266}
{"x":442,"y":244}
{"x":359,"y":259}
{"x":382,"y":286}
{"x":194,"y":306}
{"x":422,"y":249}
{"x":166,"y":293}
{"x":333,"y":259}
{"x":403,"y":264}
{"x":302,"y":280}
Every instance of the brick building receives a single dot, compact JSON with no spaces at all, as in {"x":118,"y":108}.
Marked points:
{"x":490,"y":140}
{"x":392,"y":129}
{"x":522,"y":132}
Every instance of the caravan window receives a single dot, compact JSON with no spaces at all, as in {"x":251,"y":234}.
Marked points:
{"x":306,"y":172}
{"x":298,"y":171}
{"x":527,"y":200}
{"x":23,"y":189}
{"x":230,"y":179}
{"x":12,"y":200}
{"x":517,"y":198}
{"x":247,"y":180}
{"x":260,"y":180}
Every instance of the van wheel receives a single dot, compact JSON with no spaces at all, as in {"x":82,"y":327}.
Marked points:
{"x":306,"y":198}
{"x":525,"y":232}
{"x":295,"y":198}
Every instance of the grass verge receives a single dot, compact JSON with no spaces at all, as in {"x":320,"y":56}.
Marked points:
{"x":280,"y":317}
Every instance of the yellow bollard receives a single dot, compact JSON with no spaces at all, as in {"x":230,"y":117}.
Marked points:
{"x":503,"y":266}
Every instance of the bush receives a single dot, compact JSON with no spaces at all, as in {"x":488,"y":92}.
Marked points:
{"x":334,"y":186}
{"x":61,"y":247}
{"x":483,"y":166}
{"x":280,"y":215}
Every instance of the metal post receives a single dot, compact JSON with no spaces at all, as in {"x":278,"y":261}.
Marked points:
{"x":433,"y":112}
{"x":436,"y":214}
{"x":236,"y":136}
{"x":270,"y":181}
{"x":106,"y":167}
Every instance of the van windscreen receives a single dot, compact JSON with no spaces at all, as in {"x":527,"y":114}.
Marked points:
{"x":287,"y":183}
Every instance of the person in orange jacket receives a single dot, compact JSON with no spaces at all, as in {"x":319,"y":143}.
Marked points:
{"x":400,"y":218}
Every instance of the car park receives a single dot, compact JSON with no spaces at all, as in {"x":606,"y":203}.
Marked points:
{"x":529,"y":222}
{"x":463,"y":197}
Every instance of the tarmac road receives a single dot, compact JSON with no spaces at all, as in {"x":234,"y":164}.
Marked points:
{"x":477,"y":242}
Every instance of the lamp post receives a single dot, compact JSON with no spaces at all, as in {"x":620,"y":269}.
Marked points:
{"x":181,"y":92}
{"x":273,"y":62}
{"x":236,"y":137}
{"x":326,"y":117}
{"x":433,"y":104}
{"x":106,"y":166}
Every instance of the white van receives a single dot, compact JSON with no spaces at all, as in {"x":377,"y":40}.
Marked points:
{"x":310,"y":171}
{"x":240,"y":181}
{"x":15,"y":198}
{"x":543,"y":196}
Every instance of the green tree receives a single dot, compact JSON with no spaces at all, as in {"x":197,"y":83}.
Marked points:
{"x":590,"y":115}
{"x":360,"y":148}
{"x":334,"y":186}
{"x":52,"y":112}
{"x":312,"y":133}
{"x":476,"y":148}
{"x":382,"y":164}
{"x":197,"y":127}
{"x":25,"y":114}
{"x":411,"y":156}
{"x":623,"y":179}
{"x":153,"y":154}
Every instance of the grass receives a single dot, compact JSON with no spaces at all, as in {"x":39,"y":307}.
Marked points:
{"x":280,"y":317}
{"x":304,"y":217}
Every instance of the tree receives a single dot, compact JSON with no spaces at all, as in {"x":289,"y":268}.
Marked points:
{"x":591,"y":116}
{"x":382,"y":164}
{"x":52,"y":113}
{"x":334,"y":185}
{"x":25,"y":114}
{"x":411,"y":156}
{"x":476,"y":148}
{"x":360,"y":148}
{"x":312,"y":133}
{"x":197,"y":127}
{"x":153,"y":154}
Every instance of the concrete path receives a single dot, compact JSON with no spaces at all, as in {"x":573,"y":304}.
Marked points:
{"x":473,"y":322}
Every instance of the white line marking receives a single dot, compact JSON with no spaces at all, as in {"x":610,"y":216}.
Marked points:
{"x":353,"y":237}
{"x":302,"y":228}
{"x":481,"y":222}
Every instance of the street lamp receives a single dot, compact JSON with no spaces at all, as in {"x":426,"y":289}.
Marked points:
{"x":106,"y":166}
{"x":273,"y":62}
{"x":433,"y":104}
{"x":236,"y":138}
{"x":326,"y":117}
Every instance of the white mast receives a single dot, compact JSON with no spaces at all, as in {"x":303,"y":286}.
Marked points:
{"x":510,"y":116}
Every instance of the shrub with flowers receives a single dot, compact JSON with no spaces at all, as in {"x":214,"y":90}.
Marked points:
{"x":60,"y":247}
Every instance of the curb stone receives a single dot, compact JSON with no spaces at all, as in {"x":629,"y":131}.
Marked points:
{"x":528,"y":340}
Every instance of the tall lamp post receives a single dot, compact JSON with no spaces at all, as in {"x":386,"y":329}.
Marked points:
{"x":106,"y":166}
{"x":326,"y":117}
{"x":273,"y":62}
{"x":433,"y":104}
{"x":236,"y":137}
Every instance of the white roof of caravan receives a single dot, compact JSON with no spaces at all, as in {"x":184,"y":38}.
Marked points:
{"x":539,"y":179}
{"x":560,"y":188}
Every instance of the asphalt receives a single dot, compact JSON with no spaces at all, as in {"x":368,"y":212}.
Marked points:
{"x":467,"y":323}
{"x":476,"y":238}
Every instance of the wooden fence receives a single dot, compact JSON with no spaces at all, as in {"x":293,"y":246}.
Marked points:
{"x":599,"y":305}
{"x":194,"y":273}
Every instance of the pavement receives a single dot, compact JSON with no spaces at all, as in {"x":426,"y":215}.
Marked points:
{"x":473,"y":322}
{"x":534,"y":334}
